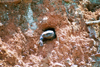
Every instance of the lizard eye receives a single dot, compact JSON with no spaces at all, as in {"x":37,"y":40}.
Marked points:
{"x":44,"y":34}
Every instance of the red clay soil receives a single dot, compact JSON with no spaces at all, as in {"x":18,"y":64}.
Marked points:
{"x":72,"y":45}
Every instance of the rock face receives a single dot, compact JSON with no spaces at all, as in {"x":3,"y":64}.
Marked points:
{"x":10,"y":1}
{"x":95,"y":1}
{"x":22,"y":24}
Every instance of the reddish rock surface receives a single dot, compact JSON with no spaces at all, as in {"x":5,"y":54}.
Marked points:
{"x":71,"y":47}
{"x":10,"y":1}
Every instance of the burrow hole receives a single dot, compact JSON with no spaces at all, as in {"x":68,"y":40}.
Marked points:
{"x":92,"y":7}
{"x":98,"y":17}
{"x":52,"y":30}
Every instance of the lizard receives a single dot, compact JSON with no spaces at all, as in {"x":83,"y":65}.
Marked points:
{"x":47,"y":35}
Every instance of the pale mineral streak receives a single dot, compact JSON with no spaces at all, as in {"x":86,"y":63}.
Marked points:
{"x":29,"y":17}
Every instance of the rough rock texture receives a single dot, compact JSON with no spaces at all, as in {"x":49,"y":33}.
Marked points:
{"x":74,"y":45}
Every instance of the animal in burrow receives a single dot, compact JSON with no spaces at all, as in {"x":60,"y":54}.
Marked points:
{"x":46,"y":35}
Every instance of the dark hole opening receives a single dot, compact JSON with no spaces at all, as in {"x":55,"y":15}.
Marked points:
{"x":98,"y":17}
{"x":52,"y":30}
{"x":92,"y":7}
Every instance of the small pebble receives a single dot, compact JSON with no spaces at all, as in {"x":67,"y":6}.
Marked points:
{"x":1,"y":24}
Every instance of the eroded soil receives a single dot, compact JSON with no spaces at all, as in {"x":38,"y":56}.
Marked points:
{"x":73,"y":45}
